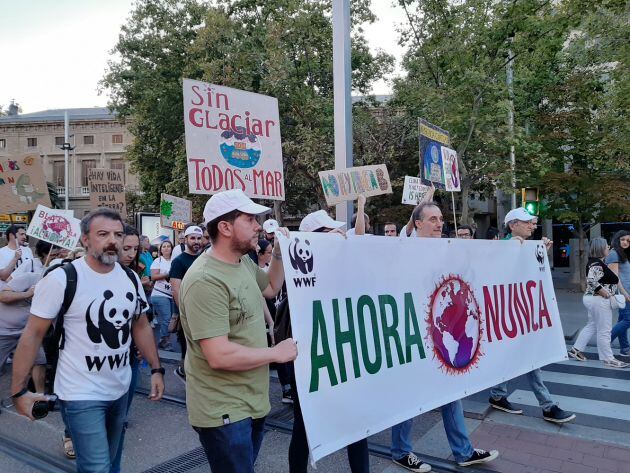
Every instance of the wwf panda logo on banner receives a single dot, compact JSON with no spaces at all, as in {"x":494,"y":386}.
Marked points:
{"x":301,"y":256}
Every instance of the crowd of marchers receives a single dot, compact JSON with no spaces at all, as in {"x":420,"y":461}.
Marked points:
{"x":76,"y":325}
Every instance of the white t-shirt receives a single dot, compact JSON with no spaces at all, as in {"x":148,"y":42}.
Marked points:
{"x":177,"y":251}
{"x":403,"y":233}
{"x":13,"y":317}
{"x":31,"y":266}
{"x":162,"y":287}
{"x":94,"y":364}
{"x":6,"y":255}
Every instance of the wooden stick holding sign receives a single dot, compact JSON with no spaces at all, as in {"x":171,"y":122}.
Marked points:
{"x":452,"y":181}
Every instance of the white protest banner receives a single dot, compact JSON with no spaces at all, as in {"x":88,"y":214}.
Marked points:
{"x":390,"y":328}
{"x":341,"y":185}
{"x":107,"y":189}
{"x":232,"y":141}
{"x":452,"y":182}
{"x":175,"y":212}
{"x":55,"y":226}
{"x":414,"y":191}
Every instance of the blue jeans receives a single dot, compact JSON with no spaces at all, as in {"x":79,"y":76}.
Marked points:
{"x":456,"y":433}
{"x":162,"y":309}
{"x":401,"y":439}
{"x":135,"y":369}
{"x":233,"y":448}
{"x":96,"y":429}
{"x":535,"y":381}
{"x":621,"y":328}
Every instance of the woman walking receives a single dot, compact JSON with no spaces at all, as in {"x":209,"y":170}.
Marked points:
{"x":162,"y":295}
{"x":618,"y":260}
{"x":601,"y":285}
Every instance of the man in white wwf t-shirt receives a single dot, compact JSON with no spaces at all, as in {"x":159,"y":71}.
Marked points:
{"x":93,"y":372}
{"x":15,"y":253}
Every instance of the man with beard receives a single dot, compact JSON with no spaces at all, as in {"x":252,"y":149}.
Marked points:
{"x":221,"y":310}
{"x":520,"y":225}
{"x":193,"y":238}
{"x":15,"y":253}
{"x":428,"y":223}
{"x":93,"y":373}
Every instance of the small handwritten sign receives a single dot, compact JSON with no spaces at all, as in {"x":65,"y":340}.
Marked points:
{"x":340,"y":185}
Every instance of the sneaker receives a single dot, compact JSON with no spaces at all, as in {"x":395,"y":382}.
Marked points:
{"x":624,"y":352}
{"x":504,"y":405}
{"x":614,"y":363}
{"x":180,"y":374}
{"x":576,"y":354}
{"x":557,"y":415}
{"x":480,"y":456}
{"x":413,"y":463}
{"x":287,"y":396}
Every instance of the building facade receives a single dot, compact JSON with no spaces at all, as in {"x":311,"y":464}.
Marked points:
{"x":98,"y":139}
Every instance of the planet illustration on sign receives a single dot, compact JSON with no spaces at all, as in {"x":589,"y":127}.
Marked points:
{"x":454,"y":325}
{"x":240,"y":149}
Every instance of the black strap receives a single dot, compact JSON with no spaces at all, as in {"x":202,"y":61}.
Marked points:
{"x":68,"y":295}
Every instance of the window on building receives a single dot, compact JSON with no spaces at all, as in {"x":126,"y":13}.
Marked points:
{"x":119,"y":164}
{"x":85,"y":165}
{"x":31,"y":142}
{"x":3,"y":143}
{"x":88,"y":140}
{"x":58,"y":173}
{"x":59,"y":140}
{"x":117,"y":139}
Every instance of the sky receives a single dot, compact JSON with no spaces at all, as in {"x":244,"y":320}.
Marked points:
{"x":54,"y":52}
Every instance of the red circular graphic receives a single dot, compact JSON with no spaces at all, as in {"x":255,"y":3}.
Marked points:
{"x":454,"y":325}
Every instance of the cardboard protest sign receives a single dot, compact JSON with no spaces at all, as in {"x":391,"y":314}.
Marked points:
{"x":452,"y":181}
{"x":431,"y":140}
{"x":414,"y":191}
{"x":465,"y":316}
{"x":22,"y":184}
{"x":55,"y":226}
{"x":175,"y":212}
{"x":107,"y":189}
{"x":232,"y":141}
{"x":341,"y":185}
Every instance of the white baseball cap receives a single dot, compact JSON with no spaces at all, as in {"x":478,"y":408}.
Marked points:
{"x":270,"y":226}
{"x":193,"y":230}
{"x":319,"y":219}
{"x":226,"y":201}
{"x":519,"y":214}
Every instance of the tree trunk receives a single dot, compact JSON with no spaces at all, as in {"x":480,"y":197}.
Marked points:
{"x":277,"y":212}
{"x":583,"y":258}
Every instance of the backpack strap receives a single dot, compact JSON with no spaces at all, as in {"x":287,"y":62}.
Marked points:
{"x":68,"y":297}
{"x":132,"y":275}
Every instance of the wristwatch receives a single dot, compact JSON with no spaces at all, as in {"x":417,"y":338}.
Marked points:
{"x":160,"y":370}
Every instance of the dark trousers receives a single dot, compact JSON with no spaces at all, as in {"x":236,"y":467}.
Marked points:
{"x":233,"y":448}
{"x":358,"y":455}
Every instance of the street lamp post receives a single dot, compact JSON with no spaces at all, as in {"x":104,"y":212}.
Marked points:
{"x":66,"y":148}
{"x":342,"y":89}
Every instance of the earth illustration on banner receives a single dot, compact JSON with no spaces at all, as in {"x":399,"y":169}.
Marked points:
{"x":454,"y":325}
{"x":240,"y":149}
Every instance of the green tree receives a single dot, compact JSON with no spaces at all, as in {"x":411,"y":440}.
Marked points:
{"x":281,"y":48}
{"x":458,"y":52}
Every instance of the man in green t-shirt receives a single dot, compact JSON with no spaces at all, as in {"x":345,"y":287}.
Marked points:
{"x":221,"y":310}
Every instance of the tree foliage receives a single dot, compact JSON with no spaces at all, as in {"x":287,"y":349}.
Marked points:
{"x":281,"y":48}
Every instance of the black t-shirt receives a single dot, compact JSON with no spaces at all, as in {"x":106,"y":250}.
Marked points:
{"x":180,"y":265}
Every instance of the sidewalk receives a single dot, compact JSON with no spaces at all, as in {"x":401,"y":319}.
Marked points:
{"x":528,"y":451}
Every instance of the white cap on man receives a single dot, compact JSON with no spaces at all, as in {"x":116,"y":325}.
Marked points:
{"x":270,"y":226}
{"x":193,"y":230}
{"x":227,"y":201}
{"x":317,"y":220}
{"x":519,"y":214}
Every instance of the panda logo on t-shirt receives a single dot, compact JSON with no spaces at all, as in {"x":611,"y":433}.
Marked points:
{"x":113,"y":321}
